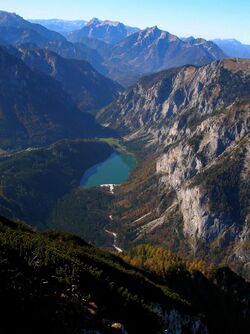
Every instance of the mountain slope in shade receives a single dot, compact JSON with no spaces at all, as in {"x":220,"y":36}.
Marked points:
{"x":107,"y":31}
{"x":153,"y":50}
{"x":34,"y":109}
{"x":233,"y":48}
{"x":61,"y":26}
{"x":16,"y":31}
{"x":194,"y":191}
{"x":88,"y":89}
{"x":56,"y":282}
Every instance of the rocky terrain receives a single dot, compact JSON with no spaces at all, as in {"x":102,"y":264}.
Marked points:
{"x":198,"y":119}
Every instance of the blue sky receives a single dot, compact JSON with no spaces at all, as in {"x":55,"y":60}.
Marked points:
{"x":200,"y":18}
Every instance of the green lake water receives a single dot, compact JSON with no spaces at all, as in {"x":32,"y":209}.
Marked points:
{"x":114,"y":170}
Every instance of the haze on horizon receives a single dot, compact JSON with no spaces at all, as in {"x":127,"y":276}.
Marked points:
{"x":226,"y":19}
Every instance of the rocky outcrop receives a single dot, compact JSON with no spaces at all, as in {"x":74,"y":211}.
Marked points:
{"x":198,"y":120}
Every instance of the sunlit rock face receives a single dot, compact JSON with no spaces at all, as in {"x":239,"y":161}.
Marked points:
{"x":198,"y":120}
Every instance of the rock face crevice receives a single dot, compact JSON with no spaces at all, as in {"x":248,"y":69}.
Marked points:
{"x":198,"y":121}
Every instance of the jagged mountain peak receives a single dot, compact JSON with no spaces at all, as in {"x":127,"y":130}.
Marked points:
{"x":97,"y":22}
{"x":153,"y":50}
{"x":157,"y":34}
{"x":107,"y":31}
{"x":94,"y":20}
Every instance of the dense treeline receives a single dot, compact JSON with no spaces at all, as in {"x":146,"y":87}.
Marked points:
{"x":32,"y":181}
{"x":56,"y":282}
{"x":84,"y":212}
{"x":59,"y":283}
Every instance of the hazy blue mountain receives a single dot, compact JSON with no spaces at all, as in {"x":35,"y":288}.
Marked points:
{"x":233,"y":48}
{"x":107,"y":31}
{"x":103,"y":49}
{"x":61,"y":26}
{"x":153,"y":50}
{"x":14,"y":30}
{"x":133,"y":55}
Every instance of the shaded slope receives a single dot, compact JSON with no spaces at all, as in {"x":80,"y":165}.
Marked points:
{"x":59,"y":282}
{"x":34,"y":109}
{"x":87,"y":88}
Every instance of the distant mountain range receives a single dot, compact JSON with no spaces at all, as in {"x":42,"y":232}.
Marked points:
{"x":107,"y":31}
{"x":138,"y":52}
{"x":118,"y":51}
{"x":153,"y":50}
{"x":62,"y":26}
{"x":233,"y":48}
{"x":16,"y":31}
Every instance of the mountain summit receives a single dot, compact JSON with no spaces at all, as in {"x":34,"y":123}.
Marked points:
{"x":153,"y":50}
{"x":107,"y":31}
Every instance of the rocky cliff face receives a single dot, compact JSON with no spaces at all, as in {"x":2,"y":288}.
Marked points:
{"x":199,"y":121}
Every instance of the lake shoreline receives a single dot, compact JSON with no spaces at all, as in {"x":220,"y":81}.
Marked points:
{"x":114,"y":170}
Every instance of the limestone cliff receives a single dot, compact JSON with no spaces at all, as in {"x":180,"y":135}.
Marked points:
{"x":197,"y":119}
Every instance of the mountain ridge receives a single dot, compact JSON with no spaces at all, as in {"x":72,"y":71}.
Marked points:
{"x":87,"y":88}
{"x":233,"y":48}
{"x":194,"y":123}
{"x":107,"y":31}
{"x":35,"y":110}
{"x":152,"y":50}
